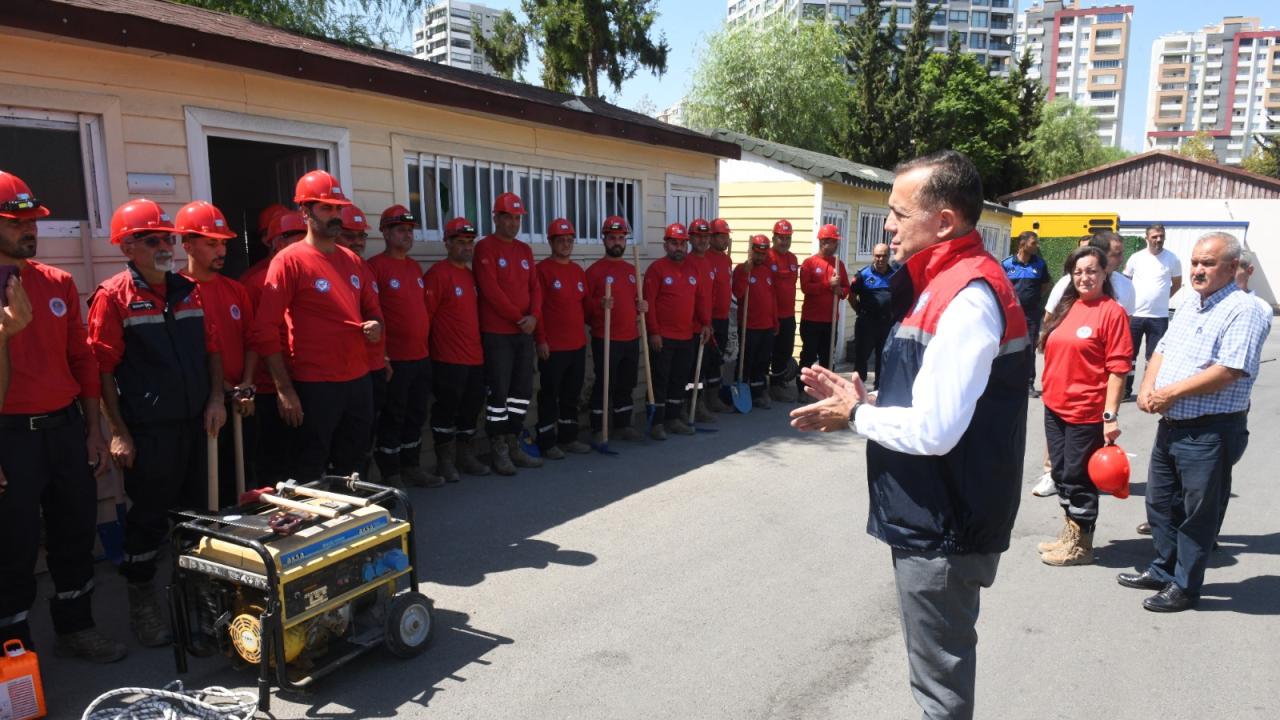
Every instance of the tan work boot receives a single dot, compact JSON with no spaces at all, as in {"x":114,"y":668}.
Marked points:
{"x":445,"y":454}
{"x":417,"y":477}
{"x":500,"y":456}
{"x":466,"y":458}
{"x":1078,"y":549}
{"x":1061,"y":540}
{"x":149,"y":624}
{"x":90,"y":645}
{"x":518,"y":456}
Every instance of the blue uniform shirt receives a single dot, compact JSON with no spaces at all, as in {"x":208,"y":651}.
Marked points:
{"x":872,"y":290}
{"x":1028,"y":282}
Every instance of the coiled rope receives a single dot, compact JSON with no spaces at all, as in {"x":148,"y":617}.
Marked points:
{"x":172,"y":703}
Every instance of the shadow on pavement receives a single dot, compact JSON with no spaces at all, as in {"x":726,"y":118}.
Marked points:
{"x":1254,"y":596}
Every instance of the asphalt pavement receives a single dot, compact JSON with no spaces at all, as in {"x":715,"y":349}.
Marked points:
{"x":729,"y":575}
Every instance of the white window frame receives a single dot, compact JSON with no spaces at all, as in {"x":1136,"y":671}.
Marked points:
{"x":694,"y":189}
{"x":204,"y":123}
{"x":867,"y":237}
{"x":832,"y":210}
{"x":93,"y":159}
{"x":996,"y":239}
{"x":554,"y":204}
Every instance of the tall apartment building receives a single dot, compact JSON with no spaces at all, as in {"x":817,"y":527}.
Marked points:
{"x":445,"y":34}
{"x":985,"y":27}
{"x":1083,"y":54}
{"x":1223,"y":80}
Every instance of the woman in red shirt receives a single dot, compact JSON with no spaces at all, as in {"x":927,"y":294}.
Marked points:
{"x":1087,"y":353}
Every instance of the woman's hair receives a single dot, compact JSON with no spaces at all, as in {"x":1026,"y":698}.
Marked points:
{"x":1070,"y":295}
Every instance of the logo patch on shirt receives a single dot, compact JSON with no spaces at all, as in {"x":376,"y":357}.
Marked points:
{"x":794,"y":268}
{"x":421,"y":284}
{"x":774,"y":267}
{"x":457,"y":291}
{"x":752,"y":279}
{"x":666,"y":280}
{"x":580,"y":287}
{"x":322,"y":285}
{"x":924,"y":300}
{"x":633,"y":279}
{"x":1084,"y":332}
{"x":355,"y":281}
{"x":502,"y":262}
{"x":235,"y":311}
{"x":608,"y":280}
{"x":693,"y":280}
{"x":524,"y":263}
{"x":395,"y":284}
{"x":556,"y":284}
{"x":769,"y":280}
{"x":57,"y":306}
{"x":817,"y":271}
{"x":142,"y":305}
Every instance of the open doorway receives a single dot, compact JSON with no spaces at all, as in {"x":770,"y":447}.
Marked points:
{"x":246,"y":176}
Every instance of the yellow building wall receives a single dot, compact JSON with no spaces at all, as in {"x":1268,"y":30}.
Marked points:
{"x":141,"y":100}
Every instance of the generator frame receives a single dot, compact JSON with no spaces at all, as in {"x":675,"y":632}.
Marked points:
{"x":186,"y":534}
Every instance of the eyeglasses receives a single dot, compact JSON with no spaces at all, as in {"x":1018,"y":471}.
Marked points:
{"x":153,"y":241}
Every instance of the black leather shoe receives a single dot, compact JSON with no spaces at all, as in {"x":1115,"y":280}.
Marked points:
{"x":1142,"y":581}
{"x":1144,"y":528}
{"x":1170,"y":599}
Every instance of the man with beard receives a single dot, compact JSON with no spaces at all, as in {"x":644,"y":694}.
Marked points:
{"x":671,"y":291}
{"x":398,"y":444}
{"x":204,"y":233}
{"x":753,"y":287}
{"x":161,"y":375}
{"x":786,"y":268}
{"x":50,"y":440}
{"x":14,"y":316}
{"x":318,"y":287}
{"x":623,"y":304}
{"x":510,"y":301}
{"x":824,"y":280}
{"x":562,"y":345}
{"x":721,"y":293}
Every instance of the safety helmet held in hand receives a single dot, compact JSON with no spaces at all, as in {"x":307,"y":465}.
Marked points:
{"x":1109,"y":470}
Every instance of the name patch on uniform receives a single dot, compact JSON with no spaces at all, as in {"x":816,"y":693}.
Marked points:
{"x":57,"y":306}
{"x":633,"y":279}
{"x":322,"y":285}
{"x":235,"y":311}
{"x":142,"y":305}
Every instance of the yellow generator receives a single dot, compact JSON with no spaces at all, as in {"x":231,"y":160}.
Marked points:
{"x":1074,"y":225}
{"x":302,"y":579}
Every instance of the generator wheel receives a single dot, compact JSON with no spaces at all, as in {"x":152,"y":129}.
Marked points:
{"x":409,"y":624}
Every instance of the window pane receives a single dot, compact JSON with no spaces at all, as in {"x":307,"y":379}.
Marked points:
{"x":446,"y":192}
{"x":470,"y":206}
{"x":583,"y":201}
{"x":431,"y":218}
{"x":415,"y":189}
{"x":50,"y":163}
{"x":487,"y":194}
{"x":570,"y":198}
{"x":594,"y":217}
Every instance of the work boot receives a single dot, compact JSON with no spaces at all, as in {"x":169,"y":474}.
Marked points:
{"x":415,"y":476}
{"x":701,"y":413}
{"x":676,"y":426}
{"x":552,"y":453}
{"x":466,"y":457}
{"x":630,"y":434}
{"x":658,"y":432}
{"x":1077,"y":550}
{"x":500,"y":455}
{"x":518,"y":456}
{"x":90,"y":645}
{"x":1052,"y":545}
{"x":762,"y":402}
{"x":714,"y":403}
{"x":445,"y":454}
{"x":149,"y":624}
{"x":779,"y":394}
{"x":577,"y":447}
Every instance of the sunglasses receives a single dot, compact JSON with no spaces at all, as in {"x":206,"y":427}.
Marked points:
{"x":154,"y":241}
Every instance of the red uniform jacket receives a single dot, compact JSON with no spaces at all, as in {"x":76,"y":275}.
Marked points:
{"x":508,"y":285}
{"x":622,"y":275}
{"x":455,"y":319}
{"x":762,"y":307}
{"x":706,"y":287}
{"x":671,"y":289}
{"x":253,"y":280}
{"x":564,"y":300}
{"x":228,"y":303}
{"x":815,"y":283}
{"x":785,"y":268}
{"x":721,"y":292}
{"x":50,"y":363}
{"x":403,"y":300}
{"x":376,"y":352}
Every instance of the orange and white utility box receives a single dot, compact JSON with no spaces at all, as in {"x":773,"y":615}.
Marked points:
{"x":21,"y":695}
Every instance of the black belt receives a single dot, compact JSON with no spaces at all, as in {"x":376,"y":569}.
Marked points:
{"x":1204,"y":419}
{"x":50,"y":421}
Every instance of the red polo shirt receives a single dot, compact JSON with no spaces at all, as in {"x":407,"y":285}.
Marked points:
{"x":722,"y":276}
{"x":402,"y":297}
{"x":815,"y":283}
{"x":622,"y":275}
{"x":762,"y":313}
{"x":455,"y":317}
{"x":1090,"y":344}
{"x":564,"y":297}
{"x":785,"y":269}
{"x":508,"y":284}
{"x":228,"y":303}
{"x":671,"y":289}
{"x":50,"y":363}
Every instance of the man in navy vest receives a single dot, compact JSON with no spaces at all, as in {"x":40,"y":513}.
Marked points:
{"x":947,"y":430}
{"x":870,"y":299}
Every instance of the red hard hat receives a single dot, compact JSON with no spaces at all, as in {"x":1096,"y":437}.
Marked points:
{"x":699,"y":227}
{"x":1109,"y":470}
{"x":16,"y":200}
{"x":782,"y":227}
{"x":268,"y":214}
{"x":203,"y":219}
{"x":397,"y":215}
{"x":285,"y":224}
{"x":720,"y":226}
{"x":759,"y":242}
{"x":138,"y":216}
{"x":828,"y":232}
{"x":559,"y":227}
{"x":614,"y":224}
{"x":509,"y":203}
{"x":675,"y":231}
{"x":459,"y":226}
{"x":319,"y":186}
{"x":353,"y":219}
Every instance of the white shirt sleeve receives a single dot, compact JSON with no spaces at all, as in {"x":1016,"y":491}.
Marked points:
{"x":1055,"y":295}
{"x":953,"y":375}
{"x":1128,"y":266}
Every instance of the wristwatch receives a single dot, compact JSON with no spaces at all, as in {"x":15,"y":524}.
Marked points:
{"x":1108,"y":416}
{"x":853,"y":412}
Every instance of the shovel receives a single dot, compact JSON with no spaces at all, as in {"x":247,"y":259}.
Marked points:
{"x":211,"y":499}
{"x":835,"y":319}
{"x":697,"y":383}
{"x":606,"y":401}
{"x":740,"y":391}
{"x":650,"y":407}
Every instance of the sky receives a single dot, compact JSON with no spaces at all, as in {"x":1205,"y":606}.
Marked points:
{"x":687,"y":23}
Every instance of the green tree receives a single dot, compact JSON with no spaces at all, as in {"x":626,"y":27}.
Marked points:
{"x":1066,"y":141}
{"x":507,"y":50}
{"x":870,"y":54}
{"x":906,"y":102}
{"x":1199,"y":147}
{"x":355,"y":22}
{"x":1265,"y":159}
{"x":777,"y":81}
{"x":1027,"y":95}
